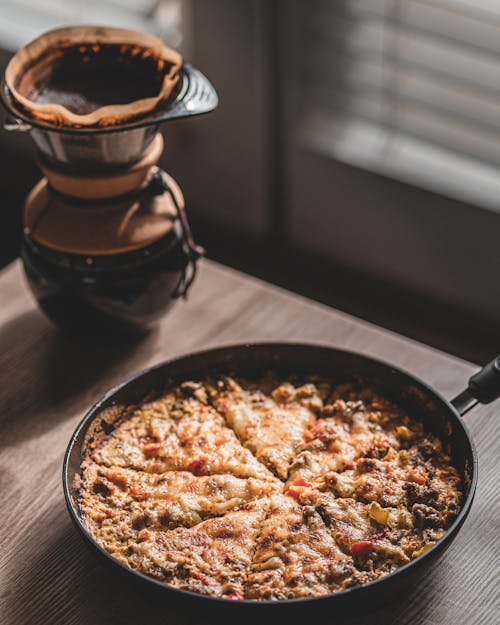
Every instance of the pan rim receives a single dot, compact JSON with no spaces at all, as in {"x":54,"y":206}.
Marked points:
{"x":417,"y":562}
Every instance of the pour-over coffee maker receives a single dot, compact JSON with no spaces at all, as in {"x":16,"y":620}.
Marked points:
{"x":107,"y":243}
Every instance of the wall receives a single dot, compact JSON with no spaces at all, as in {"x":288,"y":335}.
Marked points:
{"x":222,"y":161}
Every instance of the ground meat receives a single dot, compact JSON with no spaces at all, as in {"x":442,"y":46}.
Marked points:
{"x":425,"y":516}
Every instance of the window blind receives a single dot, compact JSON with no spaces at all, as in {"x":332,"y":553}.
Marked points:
{"x":23,"y":20}
{"x":406,"y":88}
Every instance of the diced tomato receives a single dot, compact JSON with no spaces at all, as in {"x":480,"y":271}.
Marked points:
{"x":294,"y":494}
{"x":151,"y":449}
{"x":300,"y":481}
{"x":118,"y":478}
{"x":203,"y":578}
{"x":137,"y":492}
{"x":308,"y":435}
{"x":102,"y":515}
{"x":197,"y":466}
{"x":362,"y":548}
{"x":235,"y":596}
{"x":417,"y":478}
{"x":381,"y":443}
{"x":222,"y":405}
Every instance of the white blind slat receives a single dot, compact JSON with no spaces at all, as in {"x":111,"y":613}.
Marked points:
{"x":440,"y":19}
{"x":433,"y":127}
{"x":405,"y":47}
{"x":413,"y":89}
{"x":404,"y":157}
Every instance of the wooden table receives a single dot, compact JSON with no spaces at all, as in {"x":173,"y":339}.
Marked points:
{"x":49,"y":380}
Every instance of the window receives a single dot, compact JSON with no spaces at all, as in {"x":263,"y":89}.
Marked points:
{"x":23,"y":20}
{"x":406,"y":88}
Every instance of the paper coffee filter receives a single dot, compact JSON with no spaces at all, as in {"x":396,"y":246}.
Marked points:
{"x":27,"y":64}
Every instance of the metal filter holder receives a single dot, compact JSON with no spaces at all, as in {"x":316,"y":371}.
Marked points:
{"x":115,"y":146}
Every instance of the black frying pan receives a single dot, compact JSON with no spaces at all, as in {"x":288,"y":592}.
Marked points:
{"x":439,"y":415}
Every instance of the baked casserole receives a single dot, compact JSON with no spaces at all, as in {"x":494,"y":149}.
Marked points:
{"x":270,"y":489}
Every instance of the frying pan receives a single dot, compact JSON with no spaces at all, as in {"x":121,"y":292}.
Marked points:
{"x":438,"y":415}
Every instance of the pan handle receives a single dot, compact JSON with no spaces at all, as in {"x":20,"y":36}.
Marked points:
{"x":483,"y":387}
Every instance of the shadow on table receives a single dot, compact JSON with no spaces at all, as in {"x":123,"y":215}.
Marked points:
{"x":56,"y":368}
{"x":62,"y":582}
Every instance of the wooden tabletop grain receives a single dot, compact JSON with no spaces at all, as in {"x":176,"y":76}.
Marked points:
{"x":48,"y":380}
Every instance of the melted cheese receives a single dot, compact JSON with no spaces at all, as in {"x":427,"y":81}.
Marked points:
{"x":296,"y":555}
{"x":273,"y":432}
{"x":211,"y":558}
{"x":165,"y":500}
{"x":198,"y":440}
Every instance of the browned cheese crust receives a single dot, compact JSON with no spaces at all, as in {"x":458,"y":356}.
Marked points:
{"x":268,"y":489}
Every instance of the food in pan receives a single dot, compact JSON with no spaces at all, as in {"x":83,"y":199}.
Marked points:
{"x":270,"y":489}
